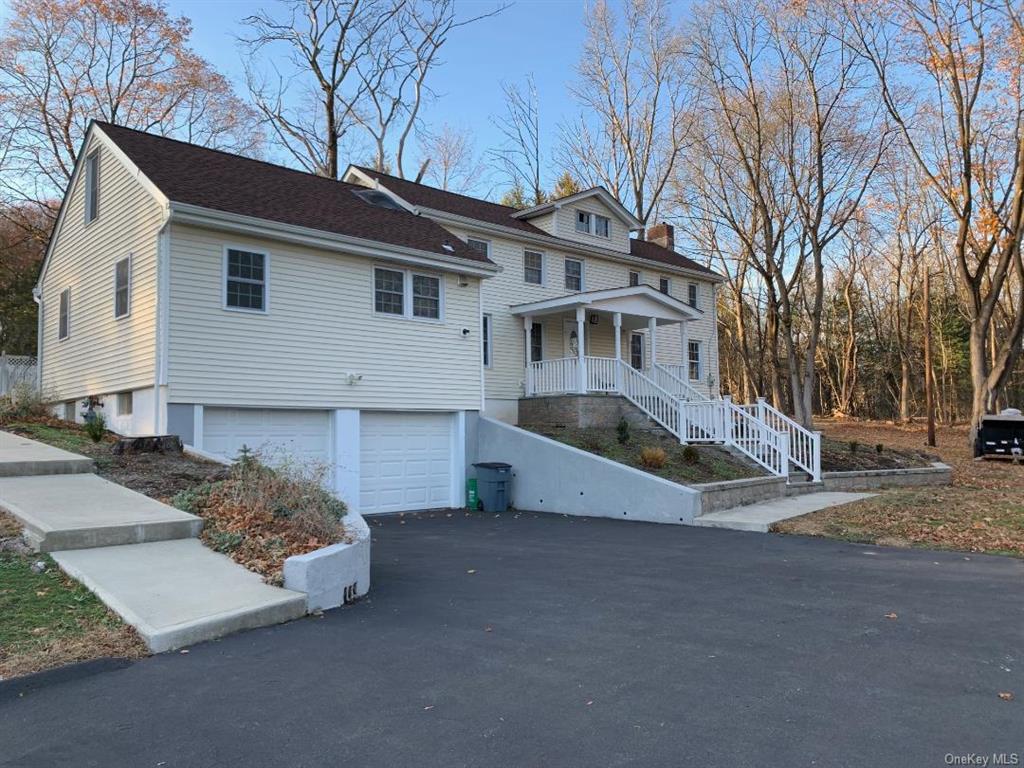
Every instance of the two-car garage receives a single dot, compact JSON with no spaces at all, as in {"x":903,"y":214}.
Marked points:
{"x":407,"y":460}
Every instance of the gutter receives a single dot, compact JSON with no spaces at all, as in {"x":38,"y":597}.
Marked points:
{"x":248,"y":225}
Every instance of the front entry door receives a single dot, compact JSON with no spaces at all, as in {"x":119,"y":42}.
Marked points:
{"x":570,"y":338}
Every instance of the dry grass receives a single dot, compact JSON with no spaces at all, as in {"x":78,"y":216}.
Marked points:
{"x":260,"y":516}
{"x":981,"y":511}
{"x":48,"y":619}
{"x":653,"y":458}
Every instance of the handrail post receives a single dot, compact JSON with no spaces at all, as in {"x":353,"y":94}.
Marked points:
{"x":727,"y":434}
{"x":816,"y":458}
{"x":684,"y":420}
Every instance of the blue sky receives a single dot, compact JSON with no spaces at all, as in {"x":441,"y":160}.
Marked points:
{"x":542,"y":37}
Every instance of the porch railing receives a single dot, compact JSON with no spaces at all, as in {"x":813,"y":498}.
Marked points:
{"x":660,"y":405}
{"x":601,"y":374}
{"x":670,"y":378}
{"x":550,"y":377}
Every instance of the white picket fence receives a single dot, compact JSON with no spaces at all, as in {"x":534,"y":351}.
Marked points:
{"x":16,"y":370}
{"x":762,"y":433}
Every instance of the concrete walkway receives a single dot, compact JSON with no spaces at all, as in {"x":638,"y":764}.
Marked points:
{"x":759,"y":517}
{"x":20,"y":456}
{"x":139,"y":556}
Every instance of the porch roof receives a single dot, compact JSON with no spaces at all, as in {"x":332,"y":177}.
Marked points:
{"x":634,"y":300}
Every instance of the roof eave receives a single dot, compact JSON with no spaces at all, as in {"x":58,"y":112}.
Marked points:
{"x":187,"y":213}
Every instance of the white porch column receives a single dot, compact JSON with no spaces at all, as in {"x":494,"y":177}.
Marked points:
{"x":684,"y":351}
{"x":581,"y":322}
{"x":617,"y":322}
{"x":652,"y":331}
{"x":527,"y":329}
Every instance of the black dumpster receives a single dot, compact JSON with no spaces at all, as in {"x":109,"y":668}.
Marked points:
{"x":1001,"y":435}
{"x":494,"y":485}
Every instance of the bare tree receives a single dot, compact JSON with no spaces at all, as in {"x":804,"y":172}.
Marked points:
{"x":519,"y":159}
{"x":636,"y":106}
{"x":64,"y":62}
{"x":450,"y":160}
{"x":949,"y":72}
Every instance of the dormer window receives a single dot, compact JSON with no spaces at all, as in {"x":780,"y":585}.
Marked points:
{"x":593,"y":224}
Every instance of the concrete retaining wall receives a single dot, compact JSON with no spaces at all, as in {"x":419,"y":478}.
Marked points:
{"x":736,"y":493}
{"x":334,"y":575}
{"x":549,"y":476}
{"x":937,"y":474}
{"x":584,"y":411}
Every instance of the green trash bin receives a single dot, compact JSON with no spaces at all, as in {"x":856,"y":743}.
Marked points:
{"x":472,"y":499}
{"x":494,"y":485}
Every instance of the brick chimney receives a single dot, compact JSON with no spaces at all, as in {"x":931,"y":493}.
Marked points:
{"x":663,"y":234}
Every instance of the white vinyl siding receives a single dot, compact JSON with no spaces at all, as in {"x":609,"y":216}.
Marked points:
{"x":103,"y":354}
{"x":320,"y":330}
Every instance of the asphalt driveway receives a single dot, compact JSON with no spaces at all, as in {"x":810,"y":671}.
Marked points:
{"x":537,"y":640}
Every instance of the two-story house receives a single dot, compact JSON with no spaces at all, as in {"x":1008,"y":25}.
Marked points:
{"x":355,"y":323}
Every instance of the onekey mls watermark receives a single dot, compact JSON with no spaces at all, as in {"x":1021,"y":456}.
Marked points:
{"x":982,"y":759}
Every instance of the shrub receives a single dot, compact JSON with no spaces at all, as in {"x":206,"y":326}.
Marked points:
{"x":592,"y":444}
{"x":192,"y":500}
{"x":653,"y":458}
{"x":879,"y":448}
{"x":96,"y":427}
{"x":690,"y":454}
{"x":622,"y":431}
{"x":23,"y":402}
{"x":854,"y":445}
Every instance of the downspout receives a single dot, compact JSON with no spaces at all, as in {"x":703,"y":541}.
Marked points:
{"x":163,"y":242}
{"x":37,"y":297}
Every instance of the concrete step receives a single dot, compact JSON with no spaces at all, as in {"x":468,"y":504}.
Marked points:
{"x":80,"y":511}
{"x":20,"y":456}
{"x":759,"y":517}
{"x":178,"y":593}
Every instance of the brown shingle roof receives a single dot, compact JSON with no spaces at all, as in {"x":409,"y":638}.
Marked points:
{"x":209,"y":178}
{"x":493,"y":213}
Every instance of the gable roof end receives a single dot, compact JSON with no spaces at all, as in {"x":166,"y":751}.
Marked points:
{"x":617,"y":208}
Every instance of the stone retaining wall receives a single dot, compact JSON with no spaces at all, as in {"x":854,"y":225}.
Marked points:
{"x":937,"y":474}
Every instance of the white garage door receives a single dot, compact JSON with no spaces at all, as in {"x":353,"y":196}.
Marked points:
{"x":405,"y":461}
{"x":304,"y":436}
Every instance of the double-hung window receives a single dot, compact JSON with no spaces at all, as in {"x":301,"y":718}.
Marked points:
{"x":665,"y":285}
{"x":122,"y":287}
{"x":392,"y":286}
{"x":245,"y":285}
{"x":64,"y":318}
{"x":536,"y":343}
{"x":426,"y":297}
{"x":634,"y":278}
{"x":583,"y":222}
{"x":533,"y":267}
{"x":487,"y":340}
{"x":692,"y":294}
{"x":693,"y":360}
{"x":636,"y":350}
{"x":602,"y":226}
{"x":593,"y":224}
{"x":482,"y":246}
{"x":574,"y":274}
{"x":92,"y":186}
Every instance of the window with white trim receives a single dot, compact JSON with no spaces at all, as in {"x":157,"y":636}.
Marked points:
{"x":392,"y":286}
{"x":122,"y":287}
{"x":693,"y":360}
{"x":593,"y":224}
{"x":634,"y":278}
{"x":487,"y":340}
{"x":69,"y":410}
{"x":426,"y":297}
{"x":574,"y":274}
{"x":124,"y":403}
{"x":533,"y":267}
{"x":483,"y":246}
{"x":245,"y":277}
{"x":602,"y":226}
{"x":583,"y":222}
{"x":636,"y":350}
{"x":64,"y":318}
{"x":92,"y":186}
{"x":692,"y":294}
{"x":665,"y":285}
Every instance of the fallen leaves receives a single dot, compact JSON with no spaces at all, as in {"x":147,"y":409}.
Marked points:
{"x":1006,"y":696}
{"x":891,"y":616}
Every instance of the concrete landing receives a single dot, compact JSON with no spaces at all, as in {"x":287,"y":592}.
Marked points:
{"x":20,"y":456}
{"x":177,"y":593}
{"x":80,"y":511}
{"x":759,"y":517}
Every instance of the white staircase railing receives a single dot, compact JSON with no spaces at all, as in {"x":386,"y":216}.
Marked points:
{"x":755,"y":439}
{"x":803,"y":445}
{"x":660,"y":405}
{"x":670,"y":378}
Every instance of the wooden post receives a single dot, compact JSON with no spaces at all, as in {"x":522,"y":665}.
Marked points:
{"x":652,"y":331}
{"x":929,"y":393}
{"x":528,"y":329}
{"x":581,"y":323}
{"x":617,"y":322}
